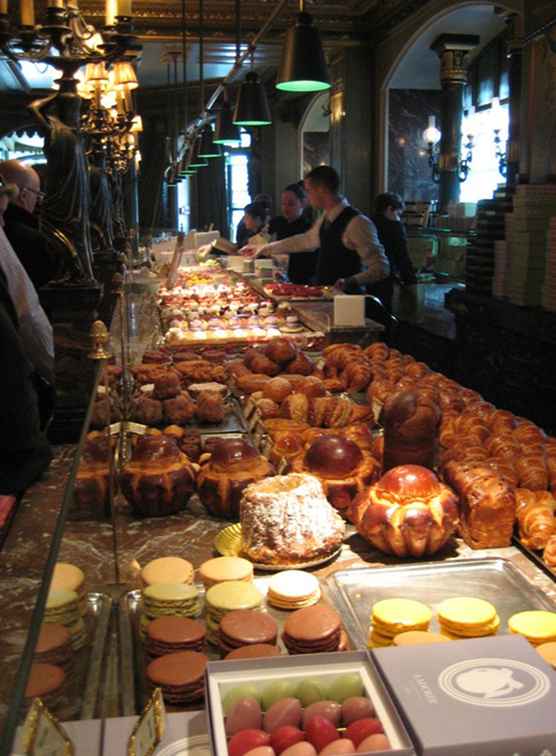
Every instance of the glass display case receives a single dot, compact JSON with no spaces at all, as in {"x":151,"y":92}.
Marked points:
{"x":96,"y":513}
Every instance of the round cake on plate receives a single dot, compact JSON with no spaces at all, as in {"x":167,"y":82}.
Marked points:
{"x":288,"y":520}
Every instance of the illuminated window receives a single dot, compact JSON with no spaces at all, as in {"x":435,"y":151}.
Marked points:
{"x":237,"y":182}
{"x":484,"y":176}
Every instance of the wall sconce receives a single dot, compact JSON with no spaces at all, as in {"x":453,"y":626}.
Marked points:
{"x":465,"y":163}
{"x":337,"y":111}
{"x":431,"y":137}
{"x":500,"y":153}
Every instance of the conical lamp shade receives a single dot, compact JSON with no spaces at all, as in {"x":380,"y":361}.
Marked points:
{"x":226,"y":133}
{"x":208,"y":149}
{"x":252,"y":107}
{"x":303,"y":67}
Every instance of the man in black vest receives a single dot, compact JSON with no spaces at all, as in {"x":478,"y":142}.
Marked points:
{"x":351,"y":257}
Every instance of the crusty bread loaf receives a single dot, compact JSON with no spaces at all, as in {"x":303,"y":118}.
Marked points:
{"x":487,"y":506}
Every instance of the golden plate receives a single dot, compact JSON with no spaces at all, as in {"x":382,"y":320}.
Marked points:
{"x":228,"y":543}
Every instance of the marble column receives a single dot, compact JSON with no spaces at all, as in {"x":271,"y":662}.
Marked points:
{"x":452,"y":49}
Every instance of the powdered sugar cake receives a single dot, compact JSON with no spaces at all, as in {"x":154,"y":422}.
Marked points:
{"x":287,"y":520}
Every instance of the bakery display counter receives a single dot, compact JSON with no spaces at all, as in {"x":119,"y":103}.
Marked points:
{"x":271,"y":456}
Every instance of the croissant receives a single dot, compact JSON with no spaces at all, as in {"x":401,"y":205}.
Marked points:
{"x":301,"y":365}
{"x":357,"y":375}
{"x":506,"y":470}
{"x":529,"y":433}
{"x":260,"y":363}
{"x":532,"y":471}
{"x":377,"y":351}
{"x":535,"y":517}
{"x":417,"y":370}
{"x":551,"y":469}
{"x":549,"y":555}
{"x":340,"y":355}
{"x":502,"y":420}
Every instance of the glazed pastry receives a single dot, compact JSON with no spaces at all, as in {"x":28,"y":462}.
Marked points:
{"x":260,"y":363}
{"x":295,"y":407}
{"x":377,"y":351}
{"x":341,"y":466}
{"x":535,"y":517}
{"x":179,"y":410}
{"x":276,"y":426}
{"x":201,"y":371}
{"x":166,"y":386}
{"x":158,"y":480}
{"x":92,"y":482}
{"x":411,"y":422}
{"x":312,"y":387}
{"x":301,"y":365}
{"x":188,"y":441}
{"x":408,"y":512}
{"x":211,"y":408}
{"x":157,"y":358}
{"x":338,"y":356}
{"x":252,"y":382}
{"x":287,"y":519}
{"x":281,"y":351}
{"x":147,"y":411}
{"x":277,"y":389}
{"x":267,"y":408}
{"x":532,"y":469}
{"x":286,"y":447}
{"x":231,"y":467}
{"x":357,"y":375}
{"x":487,"y":505}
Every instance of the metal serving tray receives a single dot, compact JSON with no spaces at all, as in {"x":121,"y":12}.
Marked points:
{"x":535,"y":557}
{"x":135,"y":685}
{"x":493,"y":579}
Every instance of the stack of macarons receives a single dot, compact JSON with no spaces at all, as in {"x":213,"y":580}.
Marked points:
{"x":293,"y":589}
{"x":313,"y":630}
{"x":180,"y":676}
{"x":68,"y":577}
{"x":246,"y":627}
{"x":167,"y":635}
{"x":54,"y":647}
{"x":419,"y":638}
{"x":224,"y":569}
{"x":45,"y":681}
{"x":467,"y":617}
{"x":169,"y":600}
{"x":62,"y":608}
{"x":537,"y":626}
{"x":228,"y":597}
{"x":390,"y":617}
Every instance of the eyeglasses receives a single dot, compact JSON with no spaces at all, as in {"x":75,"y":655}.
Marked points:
{"x":40,"y":195}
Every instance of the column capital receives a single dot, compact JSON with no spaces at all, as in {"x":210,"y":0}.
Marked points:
{"x":452,"y":49}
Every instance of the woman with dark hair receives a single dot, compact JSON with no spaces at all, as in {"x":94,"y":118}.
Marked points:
{"x":263,"y":205}
{"x":301,"y":267}
{"x":391,"y":232}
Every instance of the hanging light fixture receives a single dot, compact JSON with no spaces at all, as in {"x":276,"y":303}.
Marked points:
{"x":208,"y":148}
{"x":196,"y":160}
{"x":303,"y":66}
{"x":226,"y":133}
{"x":252,"y":108}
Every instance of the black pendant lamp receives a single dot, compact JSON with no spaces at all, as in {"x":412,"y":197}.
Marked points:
{"x":303,"y":66}
{"x":208,"y":149}
{"x":252,"y":108}
{"x":226,"y":133}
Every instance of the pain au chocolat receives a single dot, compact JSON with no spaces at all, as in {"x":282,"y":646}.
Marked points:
{"x":408,"y":512}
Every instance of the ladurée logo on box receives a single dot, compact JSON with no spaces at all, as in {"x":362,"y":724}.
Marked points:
{"x":495,"y":683}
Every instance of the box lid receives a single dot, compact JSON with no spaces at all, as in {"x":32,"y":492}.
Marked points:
{"x":473,"y":696}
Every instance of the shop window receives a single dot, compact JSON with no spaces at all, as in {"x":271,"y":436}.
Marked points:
{"x":237,"y":182}
{"x":22,"y":146}
{"x":484,"y":176}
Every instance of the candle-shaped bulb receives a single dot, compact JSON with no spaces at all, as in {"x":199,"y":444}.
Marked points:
{"x":27,"y":13}
{"x":111,"y":11}
{"x":124,"y":8}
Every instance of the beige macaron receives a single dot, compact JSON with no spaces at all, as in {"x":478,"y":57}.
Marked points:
{"x":68,"y":577}
{"x":223,"y":569}
{"x":293,"y":589}
{"x":167,"y":570}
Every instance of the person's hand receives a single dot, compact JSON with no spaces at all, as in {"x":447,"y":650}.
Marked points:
{"x":340,"y":284}
{"x":252,"y":251}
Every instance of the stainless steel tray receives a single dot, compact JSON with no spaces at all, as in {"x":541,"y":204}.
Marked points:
{"x":134,"y":683}
{"x":493,"y":579}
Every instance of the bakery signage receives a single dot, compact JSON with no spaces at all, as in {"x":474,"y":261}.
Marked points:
{"x":43,"y":735}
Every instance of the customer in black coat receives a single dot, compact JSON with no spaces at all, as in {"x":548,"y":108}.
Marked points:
{"x":391,"y":232}
{"x":21,"y":225}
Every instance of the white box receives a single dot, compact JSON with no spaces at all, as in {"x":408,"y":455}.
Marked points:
{"x":349,"y":310}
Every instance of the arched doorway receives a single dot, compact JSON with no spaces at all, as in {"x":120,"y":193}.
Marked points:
{"x":314,"y":134}
{"x":408,"y":87}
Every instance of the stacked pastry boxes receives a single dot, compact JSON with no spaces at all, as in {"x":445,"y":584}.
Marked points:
{"x":526,"y":239}
{"x":479,"y":262}
{"x":549,"y":288}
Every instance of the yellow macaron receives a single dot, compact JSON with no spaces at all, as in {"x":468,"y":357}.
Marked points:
{"x":465,"y":615}
{"x":393,"y":616}
{"x":537,"y":626}
{"x":167,"y":570}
